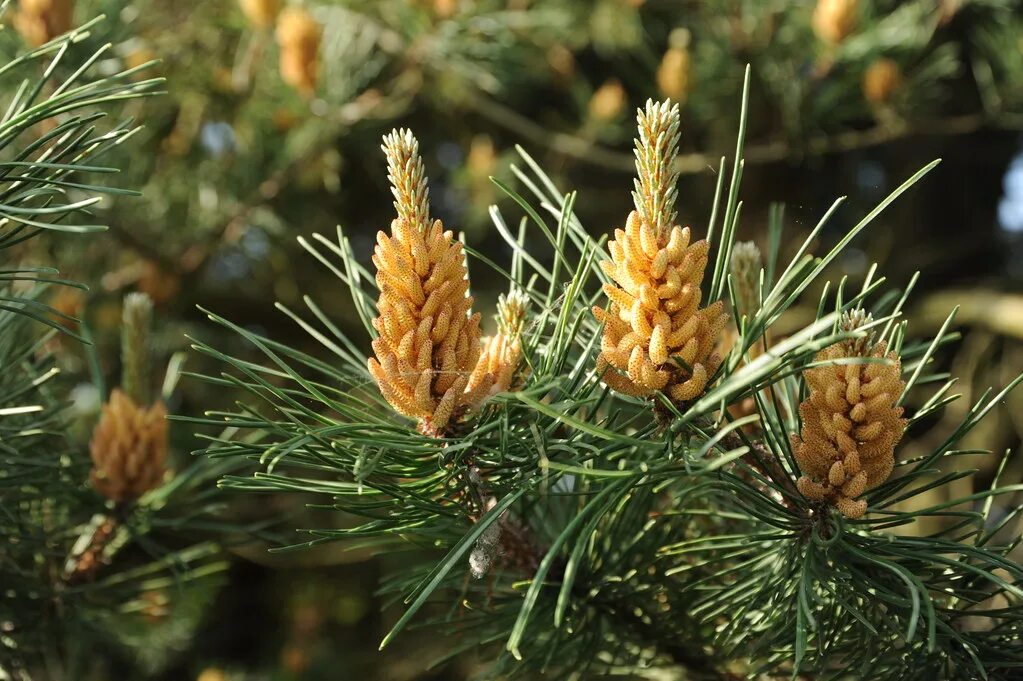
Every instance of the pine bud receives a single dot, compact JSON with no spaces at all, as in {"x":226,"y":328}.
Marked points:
{"x":851,"y":423}
{"x":429,"y":341}
{"x":881,"y":80}
{"x":673,"y":75}
{"x":40,"y":21}
{"x":298,"y":36}
{"x":502,"y":353}
{"x":746,"y":265}
{"x":136,"y":319}
{"x":260,"y":13}
{"x":128,"y":448}
{"x":834,"y":20}
{"x":608,"y":100}
{"x":656,"y":336}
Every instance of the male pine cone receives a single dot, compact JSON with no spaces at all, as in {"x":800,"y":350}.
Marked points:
{"x":260,"y":13}
{"x":851,"y":425}
{"x":128,"y":448}
{"x":656,"y":336}
{"x":40,"y":21}
{"x":298,"y":36}
{"x":501,"y":353}
{"x":834,"y":20}
{"x":429,"y":342}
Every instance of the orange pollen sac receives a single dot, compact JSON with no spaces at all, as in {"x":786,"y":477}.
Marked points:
{"x":128,"y":448}
{"x":851,"y":425}
{"x":656,"y":336}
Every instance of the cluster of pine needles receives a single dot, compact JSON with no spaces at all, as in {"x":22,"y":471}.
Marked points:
{"x":632,"y":472}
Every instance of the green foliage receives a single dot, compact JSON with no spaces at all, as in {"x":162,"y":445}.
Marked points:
{"x":56,"y":609}
{"x":605,"y":540}
{"x":564,"y":529}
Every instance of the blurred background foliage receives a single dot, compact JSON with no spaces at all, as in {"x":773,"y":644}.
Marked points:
{"x":270,"y":131}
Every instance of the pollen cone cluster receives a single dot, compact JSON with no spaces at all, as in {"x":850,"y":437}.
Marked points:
{"x":128,"y":448}
{"x":834,"y":20}
{"x":674,"y":75}
{"x":881,"y":80}
{"x":850,"y":425}
{"x":501,"y":353}
{"x":298,"y":36}
{"x":656,"y":336}
{"x":429,"y":341}
{"x":260,"y":13}
{"x":40,"y":21}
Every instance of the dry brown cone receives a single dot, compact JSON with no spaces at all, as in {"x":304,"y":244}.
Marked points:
{"x":501,"y":353}
{"x":260,"y":13}
{"x":656,"y":336}
{"x":40,"y":21}
{"x":881,"y":80}
{"x":128,"y":448}
{"x":851,"y":423}
{"x":834,"y":20}
{"x":298,"y":36}
{"x":429,"y":341}
{"x":86,"y":564}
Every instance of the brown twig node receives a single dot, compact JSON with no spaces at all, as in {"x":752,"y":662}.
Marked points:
{"x":656,"y":336}
{"x":429,"y":341}
{"x":851,"y":423}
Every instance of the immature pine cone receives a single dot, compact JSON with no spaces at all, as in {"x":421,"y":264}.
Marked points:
{"x":40,"y":21}
{"x":834,"y":20}
{"x":502,"y":353}
{"x":260,"y":13}
{"x":298,"y":36}
{"x":655,"y":333}
{"x":128,"y":448}
{"x":850,"y":425}
{"x":429,"y":339}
